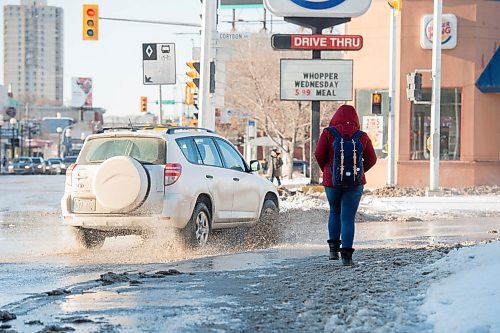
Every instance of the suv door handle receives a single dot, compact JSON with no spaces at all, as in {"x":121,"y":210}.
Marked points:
{"x":236,"y":179}
{"x":209,"y":176}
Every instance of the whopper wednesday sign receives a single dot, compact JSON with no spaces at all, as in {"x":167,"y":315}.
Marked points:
{"x":316,"y":80}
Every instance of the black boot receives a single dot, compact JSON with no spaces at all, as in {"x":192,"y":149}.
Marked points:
{"x":346,"y":254}
{"x":334,"y":249}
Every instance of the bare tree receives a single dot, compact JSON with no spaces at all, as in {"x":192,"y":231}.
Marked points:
{"x":252,"y":87}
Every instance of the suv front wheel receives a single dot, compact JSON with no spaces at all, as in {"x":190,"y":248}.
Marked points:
{"x":89,"y":238}
{"x":197,"y":231}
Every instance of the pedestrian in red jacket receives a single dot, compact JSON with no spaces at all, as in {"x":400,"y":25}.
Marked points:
{"x":343,"y":201}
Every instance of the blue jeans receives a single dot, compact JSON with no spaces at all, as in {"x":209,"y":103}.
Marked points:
{"x":344,"y":204}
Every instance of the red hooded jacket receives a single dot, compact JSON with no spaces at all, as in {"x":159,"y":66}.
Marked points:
{"x":346,"y":121}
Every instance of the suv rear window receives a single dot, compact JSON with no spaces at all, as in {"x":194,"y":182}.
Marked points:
{"x":145,"y":150}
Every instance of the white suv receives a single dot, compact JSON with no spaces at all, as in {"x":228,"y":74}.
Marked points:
{"x":129,"y":181}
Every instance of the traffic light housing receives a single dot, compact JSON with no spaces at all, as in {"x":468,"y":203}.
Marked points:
{"x":395,"y":4}
{"x":414,"y":87}
{"x":90,"y":22}
{"x":189,"y":95}
{"x":194,"y":73}
{"x":376,"y":103}
{"x":144,"y":104}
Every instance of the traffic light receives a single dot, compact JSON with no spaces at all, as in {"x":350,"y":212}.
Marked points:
{"x":414,"y":87}
{"x":144,"y":104}
{"x":195,"y":72}
{"x":376,"y":103}
{"x":395,"y":4}
{"x":189,"y":95}
{"x":90,"y":22}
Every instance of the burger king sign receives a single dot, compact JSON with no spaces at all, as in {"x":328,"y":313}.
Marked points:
{"x":448,"y":31}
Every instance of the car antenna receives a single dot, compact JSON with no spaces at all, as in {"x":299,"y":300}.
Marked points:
{"x":130,"y":125}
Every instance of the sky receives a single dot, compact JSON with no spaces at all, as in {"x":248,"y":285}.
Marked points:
{"x":115,"y":61}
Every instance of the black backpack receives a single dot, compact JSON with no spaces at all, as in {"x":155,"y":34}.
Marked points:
{"x":347,"y":170}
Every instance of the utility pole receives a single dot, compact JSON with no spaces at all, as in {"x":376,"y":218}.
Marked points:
{"x":392,"y":100}
{"x":209,"y":26}
{"x":161,"y":108}
{"x":436,"y":97}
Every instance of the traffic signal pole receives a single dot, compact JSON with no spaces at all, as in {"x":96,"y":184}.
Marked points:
{"x":391,"y":167}
{"x":209,"y":28}
{"x":436,"y":97}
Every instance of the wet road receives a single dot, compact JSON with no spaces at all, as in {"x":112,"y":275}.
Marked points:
{"x":38,"y":254}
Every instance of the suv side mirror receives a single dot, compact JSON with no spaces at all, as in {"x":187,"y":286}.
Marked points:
{"x":254,"y":165}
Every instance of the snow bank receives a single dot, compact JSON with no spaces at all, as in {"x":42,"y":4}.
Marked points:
{"x":467,"y":299}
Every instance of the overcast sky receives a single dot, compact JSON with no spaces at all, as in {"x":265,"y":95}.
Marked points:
{"x":115,"y":61}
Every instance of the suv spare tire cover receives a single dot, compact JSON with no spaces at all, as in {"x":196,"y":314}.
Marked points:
{"x":120,"y":184}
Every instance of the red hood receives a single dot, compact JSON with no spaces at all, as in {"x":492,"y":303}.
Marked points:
{"x":345,"y":120}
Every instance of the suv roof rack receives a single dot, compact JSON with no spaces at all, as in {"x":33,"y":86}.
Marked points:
{"x":117,"y":128}
{"x":174,"y":129}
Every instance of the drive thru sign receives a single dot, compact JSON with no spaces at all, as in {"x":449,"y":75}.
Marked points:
{"x":316,"y":80}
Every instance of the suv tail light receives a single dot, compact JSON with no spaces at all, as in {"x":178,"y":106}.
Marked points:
{"x":69,"y":173}
{"x":172,"y":173}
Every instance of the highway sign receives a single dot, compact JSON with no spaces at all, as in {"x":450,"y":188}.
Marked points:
{"x":317,"y":42}
{"x":317,"y":8}
{"x":316,"y":80}
{"x":158,"y":63}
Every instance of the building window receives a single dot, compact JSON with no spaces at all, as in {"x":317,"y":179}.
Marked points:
{"x":451,"y":110}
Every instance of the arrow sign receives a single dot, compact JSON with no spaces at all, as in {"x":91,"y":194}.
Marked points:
{"x":317,"y":42}
{"x":158,"y":63}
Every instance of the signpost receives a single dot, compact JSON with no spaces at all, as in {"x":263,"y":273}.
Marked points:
{"x":317,"y":42}
{"x":158,"y":66}
{"x":158,"y":63}
{"x":316,"y":80}
{"x":326,"y":84}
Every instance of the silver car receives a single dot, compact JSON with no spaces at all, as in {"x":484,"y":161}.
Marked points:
{"x":130,"y":181}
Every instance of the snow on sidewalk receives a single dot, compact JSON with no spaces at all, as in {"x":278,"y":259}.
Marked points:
{"x":466,"y":299}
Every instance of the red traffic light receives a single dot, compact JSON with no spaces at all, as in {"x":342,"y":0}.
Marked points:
{"x":90,"y":12}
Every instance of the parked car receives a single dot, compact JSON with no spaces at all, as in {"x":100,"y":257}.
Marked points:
{"x":66,"y":162}
{"x":21,"y":165}
{"x":39,"y":165}
{"x":128,"y":182}
{"x":53,"y":166}
{"x":301,"y":167}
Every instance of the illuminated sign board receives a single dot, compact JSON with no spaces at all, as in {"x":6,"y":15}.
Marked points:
{"x":317,"y":8}
{"x":448,"y":31}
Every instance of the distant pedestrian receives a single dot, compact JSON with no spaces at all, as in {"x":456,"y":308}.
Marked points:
{"x":274,"y":167}
{"x":4,"y":162}
{"x":344,"y":154}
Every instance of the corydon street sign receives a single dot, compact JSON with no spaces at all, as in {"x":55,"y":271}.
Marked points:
{"x":317,"y":8}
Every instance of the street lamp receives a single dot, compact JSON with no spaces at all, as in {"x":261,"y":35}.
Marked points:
{"x":67,"y":140}
{"x":59,"y":131}
{"x":13,"y":123}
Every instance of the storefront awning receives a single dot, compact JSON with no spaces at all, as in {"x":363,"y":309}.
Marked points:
{"x":489,"y":81}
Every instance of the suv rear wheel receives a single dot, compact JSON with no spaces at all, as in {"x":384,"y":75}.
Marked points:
{"x":197,"y":231}
{"x":90,"y":238}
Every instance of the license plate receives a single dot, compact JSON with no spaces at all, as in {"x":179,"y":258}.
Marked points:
{"x":83,"y":205}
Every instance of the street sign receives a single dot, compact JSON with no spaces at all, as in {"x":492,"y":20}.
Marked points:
{"x":166,"y":101}
{"x":317,"y":8}
{"x":233,"y":35}
{"x":158,"y":63}
{"x":317,"y":42}
{"x":7,"y":133}
{"x":316,"y":80}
